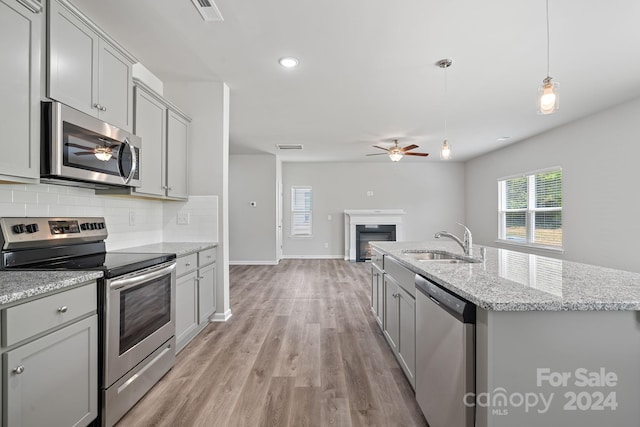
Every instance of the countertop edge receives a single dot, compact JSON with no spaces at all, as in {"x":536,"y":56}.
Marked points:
{"x":80,"y":278}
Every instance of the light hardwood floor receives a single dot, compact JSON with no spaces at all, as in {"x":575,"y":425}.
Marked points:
{"x":301,"y":349}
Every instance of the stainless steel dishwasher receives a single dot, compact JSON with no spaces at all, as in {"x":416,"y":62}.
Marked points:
{"x":445,"y":355}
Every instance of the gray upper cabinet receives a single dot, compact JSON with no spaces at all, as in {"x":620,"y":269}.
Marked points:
{"x":20,"y":29}
{"x":150,"y":124}
{"x":164,"y":130}
{"x":177,"y":149}
{"x":86,"y":69}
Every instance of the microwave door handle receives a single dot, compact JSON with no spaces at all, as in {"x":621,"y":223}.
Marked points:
{"x":134,"y":161}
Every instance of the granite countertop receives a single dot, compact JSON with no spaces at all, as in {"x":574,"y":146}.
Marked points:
{"x":18,"y":285}
{"x":514,"y":281}
{"x":178,"y":248}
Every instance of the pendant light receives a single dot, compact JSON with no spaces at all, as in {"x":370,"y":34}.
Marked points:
{"x":548,"y":99}
{"x":445,"y":151}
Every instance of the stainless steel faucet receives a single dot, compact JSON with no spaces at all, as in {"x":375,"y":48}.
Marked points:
{"x":466,"y":243}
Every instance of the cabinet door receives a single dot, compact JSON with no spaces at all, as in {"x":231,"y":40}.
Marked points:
{"x":186,"y":309}
{"x":177,"y":146}
{"x":20,"y":90}
{"x":407,"y":329}
{"x":206,"y":292}
{"x":150,"y":125}
{"x":73,"y":57}
{"x":115,"y":86}
{"x":53,"y":381}
{"x":392,"y":324}
{"x":377,"y":294}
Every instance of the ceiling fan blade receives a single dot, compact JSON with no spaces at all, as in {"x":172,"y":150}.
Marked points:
{"x":417,"y":154}
{"x":84,"y":147}
{"x":382,"y":148}
{"x":409,"y":147}
{"x":377,"y":154}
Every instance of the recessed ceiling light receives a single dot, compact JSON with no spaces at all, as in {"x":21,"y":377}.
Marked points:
{"x":288,"y":62}
{"x":503,"y":138}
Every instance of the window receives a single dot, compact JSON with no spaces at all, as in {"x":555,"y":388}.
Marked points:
{"x":301,"y":211}
{"x":530,"y":210}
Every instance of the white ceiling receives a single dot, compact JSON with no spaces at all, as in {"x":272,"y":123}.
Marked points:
{"x":367,"y":72}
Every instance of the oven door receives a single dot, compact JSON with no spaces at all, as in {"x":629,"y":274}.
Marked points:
{"x":139,"y":318}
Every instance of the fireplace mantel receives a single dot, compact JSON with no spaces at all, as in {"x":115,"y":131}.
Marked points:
{"x":368,"y":217}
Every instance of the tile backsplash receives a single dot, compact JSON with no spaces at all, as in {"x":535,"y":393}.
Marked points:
{"x":130,"y":221}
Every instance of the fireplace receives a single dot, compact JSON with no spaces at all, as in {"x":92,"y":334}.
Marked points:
{"x":370,"y":233}
{"x":372,"y":219}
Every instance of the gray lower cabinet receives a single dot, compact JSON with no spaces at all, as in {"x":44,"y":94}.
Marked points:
{"x":400,"y":315}
{"x":87,"y":70}
{"x":50,"y":376}
{"x":186,"y":309}
{"x":195,"y":294}
{"x":20,"y":28}
{"x":377,"y":294}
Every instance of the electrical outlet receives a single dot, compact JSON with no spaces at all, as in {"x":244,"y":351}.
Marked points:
{"x":329,"y":217}
{"x":132,"y":218}
{"x":326,"y":245}
{"x":183,"y":218}
{"x":369,"y":193}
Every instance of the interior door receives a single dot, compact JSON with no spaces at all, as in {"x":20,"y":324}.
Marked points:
{"x":279,"y":222}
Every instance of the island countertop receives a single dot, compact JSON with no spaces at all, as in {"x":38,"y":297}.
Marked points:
{"x":514,"y":281}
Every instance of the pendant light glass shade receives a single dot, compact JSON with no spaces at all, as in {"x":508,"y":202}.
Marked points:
{"x":548,"y":98}
{"x":445,"y":151}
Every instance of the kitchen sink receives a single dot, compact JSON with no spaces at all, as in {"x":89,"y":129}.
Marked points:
{"x":437,"y":256}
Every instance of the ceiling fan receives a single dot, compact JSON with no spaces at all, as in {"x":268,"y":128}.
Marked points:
{"x":396,"y":152}
{"x":102,"y":152}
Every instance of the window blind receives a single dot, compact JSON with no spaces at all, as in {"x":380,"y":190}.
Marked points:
{"x":531,"y":209}
{"x":301,"y":213}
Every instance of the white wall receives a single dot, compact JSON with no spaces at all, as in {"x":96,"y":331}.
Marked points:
{"x":252,"y":230}
{"x":599,"y":157}
{"x":208,"y":105}
{"x":56,"y":200}
{"x":431,"y":193}
{"x":202,"y":214}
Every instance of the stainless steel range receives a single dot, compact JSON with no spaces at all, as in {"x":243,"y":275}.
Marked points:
{"x":136,"y":300}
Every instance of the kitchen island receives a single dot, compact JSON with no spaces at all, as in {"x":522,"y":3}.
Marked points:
{"x":556,"y":342}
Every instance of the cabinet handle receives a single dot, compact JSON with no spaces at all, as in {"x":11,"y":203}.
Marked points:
{"x":200,"y":277}
{"x":103,"y":108}
{"x":18,"y":370}
{"x":97,"y":107}
{"x":396,"y":295}
{"x":187,"y":264}
{"x":62,"y":309}
{"x":169,"y":188}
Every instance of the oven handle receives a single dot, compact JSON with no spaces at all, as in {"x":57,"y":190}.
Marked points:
{"x":137,"y":280}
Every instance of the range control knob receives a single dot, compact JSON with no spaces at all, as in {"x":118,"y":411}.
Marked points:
{"x":84,"y":226}
{"x":32,"y":228}
{"x":19,"y":228}
{"x":101,"y":225}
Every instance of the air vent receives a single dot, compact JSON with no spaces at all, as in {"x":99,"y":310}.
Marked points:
{"x":208,"y":10}
{"x":289,"y":146}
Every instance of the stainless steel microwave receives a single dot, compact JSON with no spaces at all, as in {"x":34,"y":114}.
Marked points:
{"x":79,"y":148}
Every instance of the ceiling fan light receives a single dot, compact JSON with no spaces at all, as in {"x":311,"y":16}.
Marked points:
{"x":289,"y":62}
{"x":395,"y":156}
{"x":548,"y":99}
{"x":103,"y":154}
{"x":445,"y":151}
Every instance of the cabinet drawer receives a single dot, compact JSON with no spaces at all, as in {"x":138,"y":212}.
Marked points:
{"x":206,"y":257}
{"x":402,"y":275}
{"x":186,"y":264}
{"x":26,"y":320}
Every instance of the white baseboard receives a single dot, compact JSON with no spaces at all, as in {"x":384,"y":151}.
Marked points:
{"x":313,"y":256}
{"x":273,"y":262}
{"x":221,"y":317}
